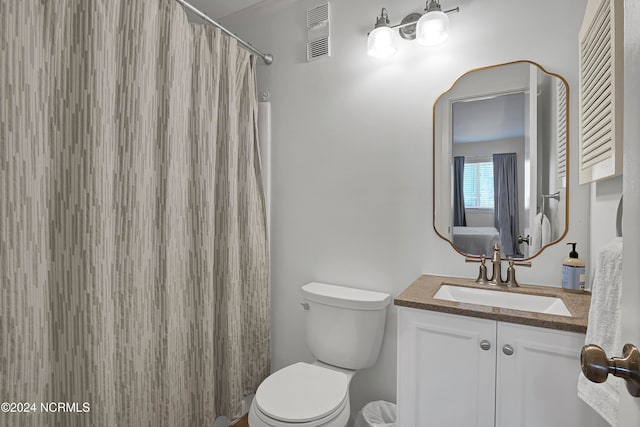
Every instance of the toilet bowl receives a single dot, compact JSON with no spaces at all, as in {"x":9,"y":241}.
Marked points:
{"x":344,"y":328}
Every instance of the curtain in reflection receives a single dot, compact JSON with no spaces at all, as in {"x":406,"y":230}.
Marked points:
{"x":133,"y":251}
{"x":505,"y":193}
{"x":459,"y":217}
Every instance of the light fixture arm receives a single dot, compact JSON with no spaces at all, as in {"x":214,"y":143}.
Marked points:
{"x":397,"y":27}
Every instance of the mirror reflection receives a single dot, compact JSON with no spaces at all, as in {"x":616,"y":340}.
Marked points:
{"x":500,"y":160}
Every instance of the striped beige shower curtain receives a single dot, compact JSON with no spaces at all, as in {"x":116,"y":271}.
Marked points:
{"x":133,"y":254}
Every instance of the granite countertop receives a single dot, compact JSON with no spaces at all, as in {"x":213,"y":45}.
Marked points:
{"x":420,"y":295}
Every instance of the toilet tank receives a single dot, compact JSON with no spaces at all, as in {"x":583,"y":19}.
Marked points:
{"x":344,"y":325}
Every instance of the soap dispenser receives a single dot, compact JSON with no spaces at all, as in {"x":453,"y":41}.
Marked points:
{"x":573,"y":272}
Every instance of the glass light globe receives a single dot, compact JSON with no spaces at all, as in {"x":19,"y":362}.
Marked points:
{"x":433,"y":28}
{"x":382,"y":43}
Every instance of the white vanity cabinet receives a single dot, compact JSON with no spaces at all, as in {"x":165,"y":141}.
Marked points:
{"x":537,"y":377}
{"x":444,"y":377}
{"x":459,"y":371}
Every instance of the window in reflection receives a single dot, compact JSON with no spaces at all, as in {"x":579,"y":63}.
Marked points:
{"x":478,"y":184}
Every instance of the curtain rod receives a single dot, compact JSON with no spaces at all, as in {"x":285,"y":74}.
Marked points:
{"x":266,"y":57}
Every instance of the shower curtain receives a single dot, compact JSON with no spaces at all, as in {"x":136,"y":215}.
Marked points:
{"x":133,"y":249}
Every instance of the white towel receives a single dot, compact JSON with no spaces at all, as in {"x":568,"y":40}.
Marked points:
{"x":604,"y":329}
{"x":535,"y":233}
{"x":546,"y":230}
{"x":540,"y":232}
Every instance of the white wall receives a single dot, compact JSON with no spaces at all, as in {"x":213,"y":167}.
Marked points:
{"x":352,"y":151}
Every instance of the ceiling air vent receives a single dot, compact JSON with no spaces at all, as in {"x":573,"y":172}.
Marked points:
{"x":318,"y":32}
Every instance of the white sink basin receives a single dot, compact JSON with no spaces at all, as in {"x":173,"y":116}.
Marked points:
{"x":511,"y":300}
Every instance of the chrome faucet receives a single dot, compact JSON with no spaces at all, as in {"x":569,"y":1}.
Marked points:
{"x":496,"y":274}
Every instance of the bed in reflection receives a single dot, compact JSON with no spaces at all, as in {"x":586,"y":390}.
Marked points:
{"x":475,"y":240}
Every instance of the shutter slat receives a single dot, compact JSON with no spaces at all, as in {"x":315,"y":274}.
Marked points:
{"x":561,"y":131}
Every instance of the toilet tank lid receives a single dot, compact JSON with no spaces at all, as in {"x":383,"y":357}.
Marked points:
{"x":342,"y":296}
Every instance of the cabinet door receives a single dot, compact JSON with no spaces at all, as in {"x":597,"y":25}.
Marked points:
{"x":537,"y":384}
{"x":444,"y":377}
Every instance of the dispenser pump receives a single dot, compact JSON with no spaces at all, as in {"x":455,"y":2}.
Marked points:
{"x":573,"y":253}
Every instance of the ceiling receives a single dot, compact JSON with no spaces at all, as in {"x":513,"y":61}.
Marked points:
{"x":218,"y":9}
{"x":489,"y":119}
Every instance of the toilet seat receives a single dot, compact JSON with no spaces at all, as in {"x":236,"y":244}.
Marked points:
{"x":340,"y":418}
{"x":303,"y":394}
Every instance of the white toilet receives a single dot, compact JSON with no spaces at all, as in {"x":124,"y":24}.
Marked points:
{"x":344,"y":329}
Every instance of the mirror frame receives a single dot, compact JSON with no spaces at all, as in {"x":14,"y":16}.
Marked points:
{"x":568,"y":162}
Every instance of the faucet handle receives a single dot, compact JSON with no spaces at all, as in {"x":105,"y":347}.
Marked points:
{"x":521,"y":263}
{"x":482,"y":273}
{"x":511,"y":272}
{"x":511,"y":275}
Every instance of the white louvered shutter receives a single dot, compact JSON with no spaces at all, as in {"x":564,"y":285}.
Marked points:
{"x":601,"y":67}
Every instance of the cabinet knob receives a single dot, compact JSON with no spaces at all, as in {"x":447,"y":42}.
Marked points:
{"x":485,"y":345}
{"x":597,"y":367}
{"x":507,"y":349}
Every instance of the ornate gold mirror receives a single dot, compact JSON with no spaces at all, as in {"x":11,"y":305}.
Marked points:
{"x":501,"y":160}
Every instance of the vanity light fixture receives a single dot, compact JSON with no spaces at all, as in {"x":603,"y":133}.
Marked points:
{"x":382,"y":43}
{"x":433,"y":26}
{"x":430,"y":29}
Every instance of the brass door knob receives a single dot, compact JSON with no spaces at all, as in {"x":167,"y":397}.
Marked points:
{"x":597,"y":367}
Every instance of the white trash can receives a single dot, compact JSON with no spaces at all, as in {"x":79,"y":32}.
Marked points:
{"x":377,"y":414}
